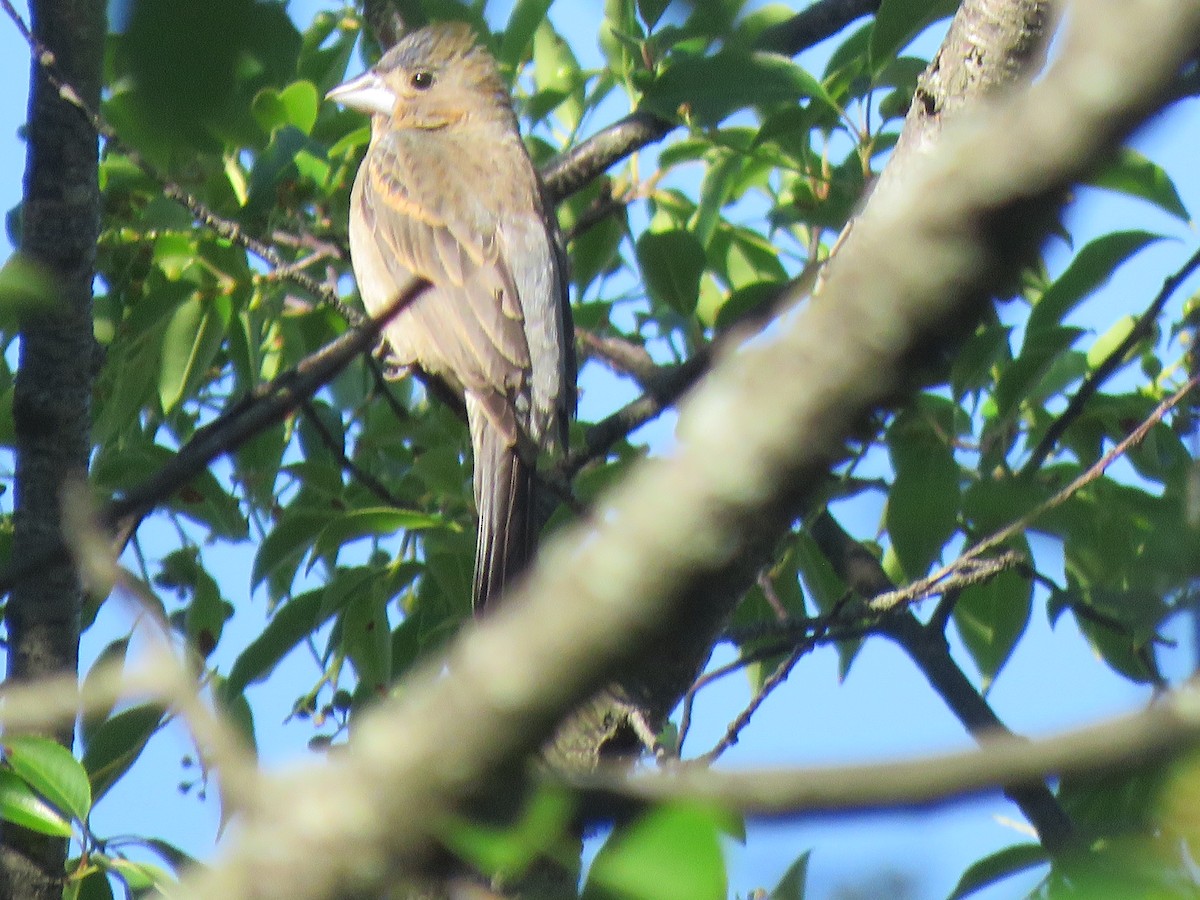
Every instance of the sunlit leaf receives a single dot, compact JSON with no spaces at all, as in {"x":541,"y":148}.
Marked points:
{"x":51,"y":770}
{"x":20,"y":805}
{"x":670,"y":853}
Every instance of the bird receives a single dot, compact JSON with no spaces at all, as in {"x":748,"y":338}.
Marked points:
{"x":447,"y":192}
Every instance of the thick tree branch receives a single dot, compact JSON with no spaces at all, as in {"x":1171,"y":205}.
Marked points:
{"x":1165,"y":730}
{"x":919,"y":266}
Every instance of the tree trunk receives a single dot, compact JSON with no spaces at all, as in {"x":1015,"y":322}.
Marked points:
{"x":52,"y":395}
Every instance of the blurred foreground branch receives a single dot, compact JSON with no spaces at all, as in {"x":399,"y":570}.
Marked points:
{"x":1168,"y":728}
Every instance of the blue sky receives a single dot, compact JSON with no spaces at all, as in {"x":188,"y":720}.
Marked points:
{"x":883,"y":709}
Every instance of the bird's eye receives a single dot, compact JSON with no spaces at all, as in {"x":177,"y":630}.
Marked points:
{"x":422,"y":80}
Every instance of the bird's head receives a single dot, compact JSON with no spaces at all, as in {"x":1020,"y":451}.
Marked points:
{"x":433,"y":78}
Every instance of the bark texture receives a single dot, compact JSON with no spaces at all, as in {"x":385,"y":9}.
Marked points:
{"x":52,"y":396}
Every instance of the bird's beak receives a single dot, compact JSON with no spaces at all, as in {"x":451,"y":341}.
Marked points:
{"x":366,"y":93}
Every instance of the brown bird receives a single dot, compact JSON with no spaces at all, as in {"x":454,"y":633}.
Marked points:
{"x":447,"y":192}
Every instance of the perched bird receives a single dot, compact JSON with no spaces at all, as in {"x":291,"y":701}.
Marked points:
{"x":447,"y":192}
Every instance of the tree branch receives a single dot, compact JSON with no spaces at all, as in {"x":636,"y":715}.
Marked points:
{"x":930,"y":653}
{"x":260,"y":409}
{"x":1165,"y":730}
{"x":929,"y":584}
{"x":1141,"y":328}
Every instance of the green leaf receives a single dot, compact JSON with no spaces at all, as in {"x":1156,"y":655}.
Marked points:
{"x":923,"y":504}
{"x":899,"y":21}
{"x":997,"y":866}
{"x":285,"y":545}
{"x":978,"y":358}
{"x":558,"y":78}
{"x":719,"y":179}
{"x":671,"y":263}
{"x":268,"y":110}
{"x":1018,"y":380}
{"x":651,"y":10}
{"x":794,"y":883}
{"x":110,"y":656}
{"x":526,"y":16}
{"x":366,"y":632}
{"x":51,"y":770}
{"x":176,"y":858}
{"x":141,"y":877}
{"x":202,"y":499}
{"x":192,"y":339}
{"x":301,"y":104}
{"x":670,"y":853}
{"x":26,"y":287}
{"x":378,"y":521}
{"x":508,"y":852}
{"x":237,"y":712}
{"x":1090,"y":270}
{"x":291,"y":623}
{"x":991,"y":617}
{"x":712,"y":87}
{"x":93,"y":886}
{"x":995,"y":502}
{"x":826,"y":588}
{"x":21,"y":806}
{"x":117,"y":744}
{"x":1133,"y":174}
{"x":1108,"y":342}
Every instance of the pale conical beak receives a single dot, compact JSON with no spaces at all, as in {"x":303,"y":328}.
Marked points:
{"x":366,"y":93}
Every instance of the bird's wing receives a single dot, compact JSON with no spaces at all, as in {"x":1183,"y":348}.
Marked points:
{"x":421,"y":218}
{"x":539,"y":273}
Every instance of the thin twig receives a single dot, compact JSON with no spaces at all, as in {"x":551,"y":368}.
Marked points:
{"x":930,"y":583}
{"x":369,"y":481}
{"x":1141,"y":328}
{"x":734,"y":730}
{"x":965,"y":571}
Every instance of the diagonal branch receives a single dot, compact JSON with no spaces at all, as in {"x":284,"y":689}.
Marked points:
{"x":930,"y":653}
{"x":260,"y":409}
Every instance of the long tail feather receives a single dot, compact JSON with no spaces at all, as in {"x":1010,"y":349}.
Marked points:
{"x":504,"y":499}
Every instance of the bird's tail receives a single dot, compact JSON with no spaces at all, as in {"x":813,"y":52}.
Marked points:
{"x":504,"y":487}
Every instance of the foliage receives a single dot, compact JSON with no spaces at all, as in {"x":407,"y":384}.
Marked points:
{"x":369,"y":574}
